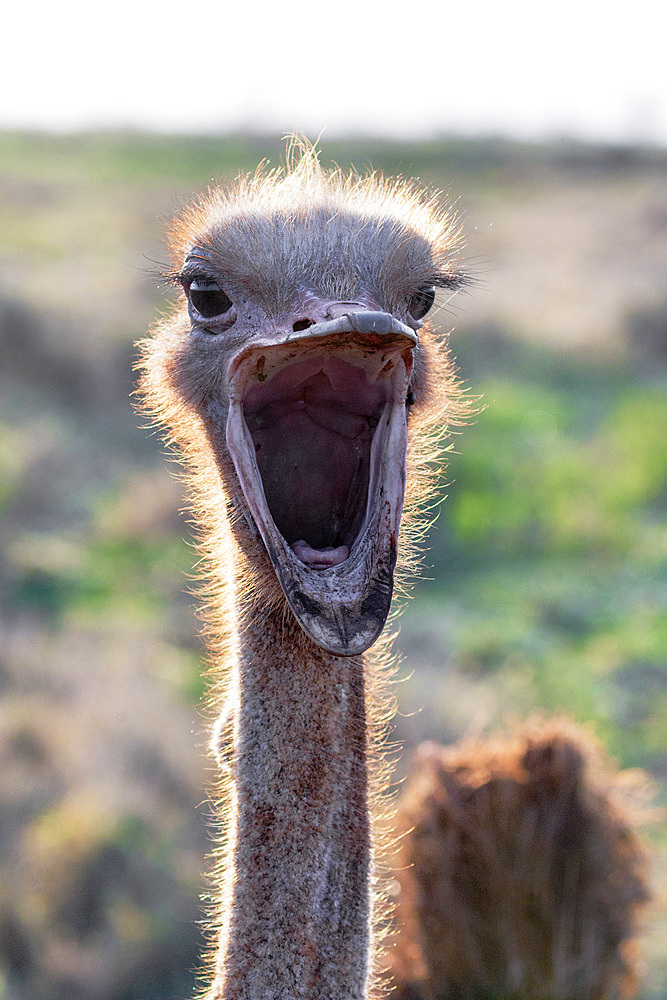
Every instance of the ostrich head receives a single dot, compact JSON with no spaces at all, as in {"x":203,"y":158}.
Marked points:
{"x":295,"y":349}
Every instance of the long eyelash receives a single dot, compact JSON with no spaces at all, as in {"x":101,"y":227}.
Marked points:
{"x":174,"y":278}
{"x":161,"y":275}
{"x":451,"y":279}
{"x":190,"y":272}
{"x":164,"y":275}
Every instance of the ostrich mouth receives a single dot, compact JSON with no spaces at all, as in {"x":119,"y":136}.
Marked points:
{"x":317,"y":431}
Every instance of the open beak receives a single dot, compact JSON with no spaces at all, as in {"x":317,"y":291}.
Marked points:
{"x":317,"y":431}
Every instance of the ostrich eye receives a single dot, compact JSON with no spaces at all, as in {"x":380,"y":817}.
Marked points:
{"x":420,"y":303}
{"x":208,"y":298}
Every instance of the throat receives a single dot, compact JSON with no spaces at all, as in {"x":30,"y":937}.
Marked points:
{"x":297,"y":911}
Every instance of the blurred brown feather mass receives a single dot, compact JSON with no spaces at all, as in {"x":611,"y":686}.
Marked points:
{"x":522,"y":872}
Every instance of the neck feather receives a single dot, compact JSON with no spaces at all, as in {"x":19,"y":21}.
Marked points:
{"x":296,"y":909}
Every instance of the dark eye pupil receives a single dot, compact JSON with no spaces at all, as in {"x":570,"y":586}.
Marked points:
{"x":420,"y":303}
{"x":208,"y":299}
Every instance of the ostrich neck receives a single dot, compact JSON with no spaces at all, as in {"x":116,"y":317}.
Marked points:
{"x":296,"y":921}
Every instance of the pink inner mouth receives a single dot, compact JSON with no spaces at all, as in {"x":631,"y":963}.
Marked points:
{"x":320,"y":558}
{"x":312,"y":426}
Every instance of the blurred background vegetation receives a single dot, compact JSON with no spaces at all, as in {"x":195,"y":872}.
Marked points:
{"x":545,"y":582}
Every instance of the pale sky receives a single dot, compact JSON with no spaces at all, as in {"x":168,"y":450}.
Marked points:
{"x":590,"y":70}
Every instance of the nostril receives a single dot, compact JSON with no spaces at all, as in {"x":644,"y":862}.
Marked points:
{"x":302,"y":324}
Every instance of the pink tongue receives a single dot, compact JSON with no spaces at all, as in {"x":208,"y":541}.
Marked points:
{"x":320,"y":558}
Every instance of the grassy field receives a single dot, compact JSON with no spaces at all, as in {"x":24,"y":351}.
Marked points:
{"x":545,"y":581}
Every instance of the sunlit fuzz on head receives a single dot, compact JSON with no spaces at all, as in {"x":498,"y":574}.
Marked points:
{"x":341,"y":236}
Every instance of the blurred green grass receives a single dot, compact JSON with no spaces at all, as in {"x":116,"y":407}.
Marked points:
{"x":547,"y":564}
{"x":549,"y":555}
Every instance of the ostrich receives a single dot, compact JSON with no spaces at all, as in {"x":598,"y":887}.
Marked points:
{"x":300,"y":384}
